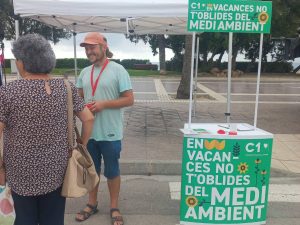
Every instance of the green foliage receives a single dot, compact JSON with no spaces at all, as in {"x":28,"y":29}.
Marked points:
{"x":174,"y":42}
{"x":69,"y":63}
{"x":277,"y":67}
{"x":206,"y":67}
{"x":26,"y":25}
{"x":249,"y":67}
{"x":267,"y":67}
{"x":175,"y":64}
{"x":285,"y":18}
{"x":129,"y":63}
{"x":81,"y":63}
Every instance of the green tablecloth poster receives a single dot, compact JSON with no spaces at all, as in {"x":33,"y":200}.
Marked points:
{"x":225,"y":181}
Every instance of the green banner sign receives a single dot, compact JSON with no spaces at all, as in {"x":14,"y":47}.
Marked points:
{"x":225,"y":181}
{"x":229,"y":16}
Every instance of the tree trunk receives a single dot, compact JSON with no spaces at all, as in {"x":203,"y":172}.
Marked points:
{"x":234,"y":55}
{"x":162,"y":54}
{"x":220,"y":58}
{"x":183,"y":91}
{"x":205,"y":54}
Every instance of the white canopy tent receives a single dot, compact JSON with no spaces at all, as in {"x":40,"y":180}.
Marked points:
{"x":109,"y":16}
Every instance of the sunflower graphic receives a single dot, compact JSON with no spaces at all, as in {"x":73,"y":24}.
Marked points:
{"x":243,"y":168}
{"x":191,"y":201}
{"x":263,"y":17}
{"x":263,"y":172}
{"x":257,"y":161}
{"x":209,"y":7}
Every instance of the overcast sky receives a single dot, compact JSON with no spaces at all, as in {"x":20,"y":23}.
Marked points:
{"x":121,"y":47}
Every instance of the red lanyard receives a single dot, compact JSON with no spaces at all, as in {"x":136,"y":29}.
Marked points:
{"x":94,"y":86}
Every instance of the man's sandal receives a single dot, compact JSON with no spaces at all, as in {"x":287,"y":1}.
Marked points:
{"x":85,"y":215}
{"x":116,"y":218}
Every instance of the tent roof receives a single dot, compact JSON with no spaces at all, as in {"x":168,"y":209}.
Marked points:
{"x":109,"y":16}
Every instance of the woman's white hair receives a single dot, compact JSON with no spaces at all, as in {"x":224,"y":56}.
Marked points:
{"x":35,"y":52}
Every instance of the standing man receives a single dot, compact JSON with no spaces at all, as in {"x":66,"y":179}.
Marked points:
{"x":106,"y":88}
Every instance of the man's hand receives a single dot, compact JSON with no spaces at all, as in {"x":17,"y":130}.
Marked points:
{"x":97,"y":106}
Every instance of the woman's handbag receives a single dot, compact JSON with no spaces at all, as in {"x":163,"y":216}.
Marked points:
{"x":81,"y":176}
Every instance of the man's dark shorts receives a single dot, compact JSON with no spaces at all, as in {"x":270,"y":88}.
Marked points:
{"x":110,"y":152}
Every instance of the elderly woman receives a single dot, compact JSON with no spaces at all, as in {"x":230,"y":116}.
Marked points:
{"x":33,"y":115}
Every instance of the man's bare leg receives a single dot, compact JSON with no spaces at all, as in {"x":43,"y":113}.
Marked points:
{"x":114,"y":191}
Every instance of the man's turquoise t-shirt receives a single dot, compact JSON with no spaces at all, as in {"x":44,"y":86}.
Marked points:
{"x":108,"y":124}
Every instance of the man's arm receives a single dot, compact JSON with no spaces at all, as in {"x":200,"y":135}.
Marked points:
{"x":126,"y":99}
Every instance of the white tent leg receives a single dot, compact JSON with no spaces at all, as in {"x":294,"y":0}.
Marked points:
{"x":227,"y":114}
{"x":258,"y":78}
{"x":191,"y":81}
{"x":17,"y":29}
{"x":196,"y":78}
{"x":75,"y":52}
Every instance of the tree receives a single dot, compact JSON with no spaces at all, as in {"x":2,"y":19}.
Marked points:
{"x":156,"y":42}
{"x":26,"y":25}
{"x":161,"y":42}
{"x":183,"y":91}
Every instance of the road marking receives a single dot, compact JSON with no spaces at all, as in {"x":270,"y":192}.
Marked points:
{"x":161,"y":92}
{"x":293,"y":87}
{"x":253,"y":94}
{"x":264,"y":102}
{"x":277,"y":192}
{"x":215,"y":95}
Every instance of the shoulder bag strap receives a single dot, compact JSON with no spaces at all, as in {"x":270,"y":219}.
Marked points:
{"x":70,"y":114}
{"x":70,"y":118}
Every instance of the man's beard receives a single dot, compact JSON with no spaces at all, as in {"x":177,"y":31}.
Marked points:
{"x":94,"y":58}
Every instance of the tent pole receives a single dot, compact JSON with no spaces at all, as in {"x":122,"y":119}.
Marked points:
{"x":17,"y":29}
{"x":75,"y":52}
{"x":196,"y":78}
{"x":227,"y":114}
{"x":127,"y":27}
{"x":258,"y":78}
{"x":191,"y":81}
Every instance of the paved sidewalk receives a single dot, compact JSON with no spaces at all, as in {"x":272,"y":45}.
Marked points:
{"x":149,"y":200}
{"x":153,"y":141}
